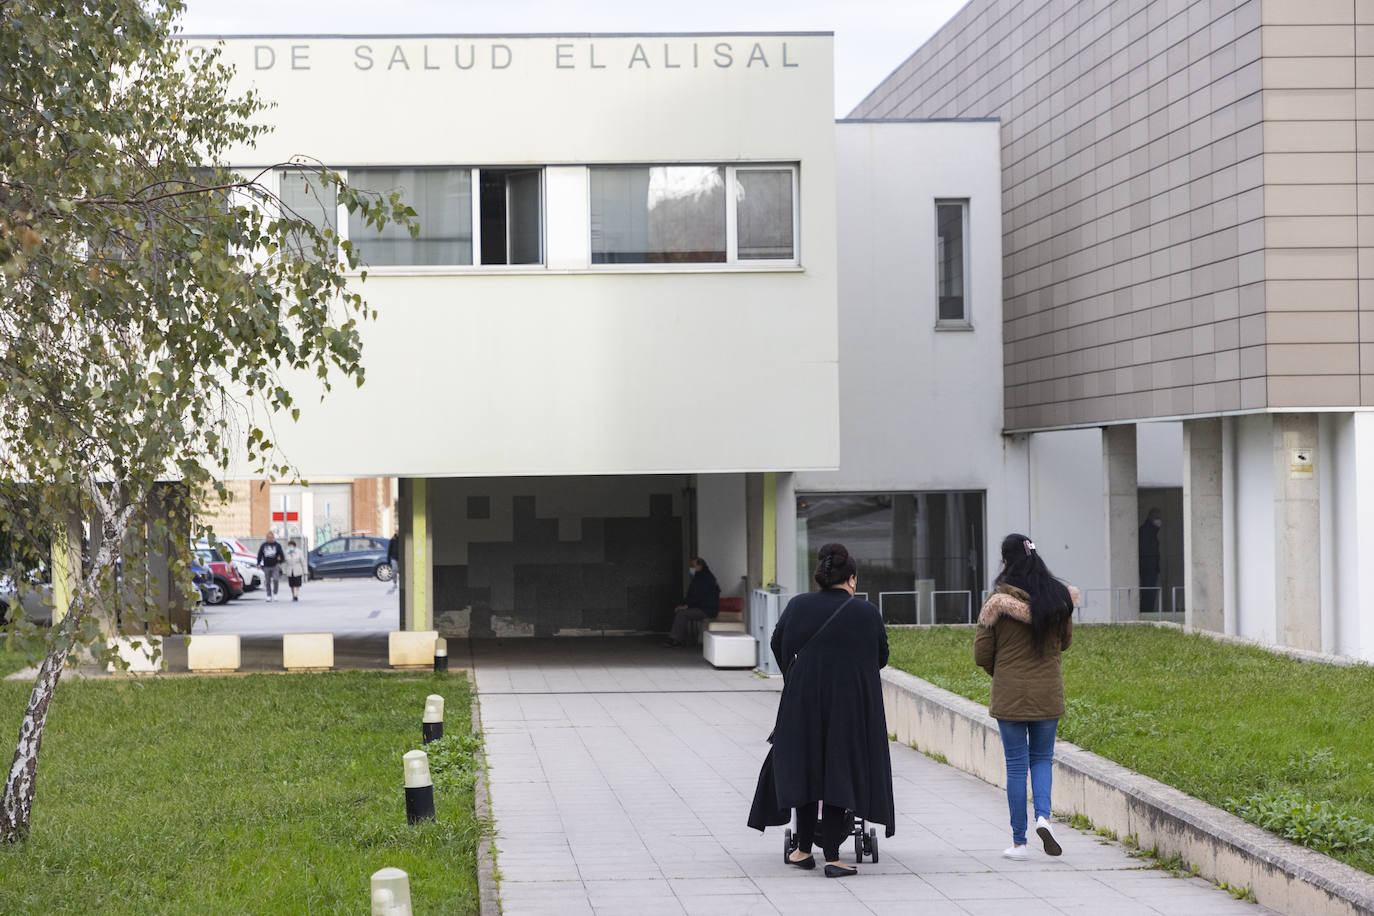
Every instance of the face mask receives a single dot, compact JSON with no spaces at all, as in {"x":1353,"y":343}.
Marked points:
{"x":1158,"y":523}
{"x":691,"y":570}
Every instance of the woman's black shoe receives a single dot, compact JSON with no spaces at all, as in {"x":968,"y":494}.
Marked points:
{"x":839,"y":871}
{"x":807,"y":864}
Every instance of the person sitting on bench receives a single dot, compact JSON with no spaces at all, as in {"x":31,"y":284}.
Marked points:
{"x":702,"y":602}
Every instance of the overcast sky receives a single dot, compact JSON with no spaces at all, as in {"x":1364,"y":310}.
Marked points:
{"x":872,"y":37}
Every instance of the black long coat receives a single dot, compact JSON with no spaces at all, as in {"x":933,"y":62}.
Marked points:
{"x":830,"y":741}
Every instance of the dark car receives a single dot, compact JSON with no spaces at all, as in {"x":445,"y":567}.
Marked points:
{"x":355,"y":555}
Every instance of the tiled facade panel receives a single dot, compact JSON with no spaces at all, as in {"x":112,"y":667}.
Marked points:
{"x":1313,"y":171}
{"x":1152,"y":149}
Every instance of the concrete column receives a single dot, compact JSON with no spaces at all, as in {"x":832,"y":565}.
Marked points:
{"x":753,"y":499}
{"x":66,"y":567}
{"x":1203,"y":556}
{"x":1121,"y":504}
{"x":770,"y":528}
{"x":1297,"y":531}
{"x":169,"y":610}
{"x":786,"y":528}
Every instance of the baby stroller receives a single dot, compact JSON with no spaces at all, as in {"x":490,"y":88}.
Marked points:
{"x":865,"y":842}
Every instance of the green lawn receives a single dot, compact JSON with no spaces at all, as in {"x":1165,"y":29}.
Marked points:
{"x":1284,"y":743}
{"x":259,"y":794}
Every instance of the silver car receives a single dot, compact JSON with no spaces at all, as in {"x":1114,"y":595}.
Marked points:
{"x":35,"y":601}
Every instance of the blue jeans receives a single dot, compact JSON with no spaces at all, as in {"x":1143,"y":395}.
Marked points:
{"x":1028,"y":743}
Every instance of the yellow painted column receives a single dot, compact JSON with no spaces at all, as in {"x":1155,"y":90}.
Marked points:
{"x":66,"y":566}
{"x":770,"y":527}
{"x":420,"y":573}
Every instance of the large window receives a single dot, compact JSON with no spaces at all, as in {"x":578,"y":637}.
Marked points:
{"x":919,"y":554}
{"x":442,"y":200}
{"x":466,"y":216}
{"x":951,"y":258}
{"x":693,"y":214}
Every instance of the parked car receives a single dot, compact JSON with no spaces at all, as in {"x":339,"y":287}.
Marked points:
{"x":355,"y":555}
{"x":206,"y":586}
{"x":224,"y":573}
{"x":35,"y":601}
{"x":242,"y":558}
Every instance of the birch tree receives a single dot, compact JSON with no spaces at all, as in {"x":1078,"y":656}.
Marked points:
{"x":151,"y":302}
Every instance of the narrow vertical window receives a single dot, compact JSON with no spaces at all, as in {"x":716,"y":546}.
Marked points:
{"x":951,"y":258}
{"x":764,"y":214}
{"x":304,"y":196}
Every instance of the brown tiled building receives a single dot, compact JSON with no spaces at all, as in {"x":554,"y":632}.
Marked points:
{"x":1188,"y":236}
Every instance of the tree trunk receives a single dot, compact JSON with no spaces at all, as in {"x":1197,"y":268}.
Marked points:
{"x":23,"y":776}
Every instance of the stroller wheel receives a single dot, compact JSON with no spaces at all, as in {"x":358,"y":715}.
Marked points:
{"x":873,"y":843}
{"x":789,"y":843}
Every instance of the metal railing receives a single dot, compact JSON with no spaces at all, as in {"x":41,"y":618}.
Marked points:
{"x":934,"y":616}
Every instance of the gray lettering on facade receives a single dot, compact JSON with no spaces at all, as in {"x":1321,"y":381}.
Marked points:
{"x":502,"y":56}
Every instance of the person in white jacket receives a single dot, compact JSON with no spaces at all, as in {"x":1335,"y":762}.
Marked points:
{"x":296,"y":568}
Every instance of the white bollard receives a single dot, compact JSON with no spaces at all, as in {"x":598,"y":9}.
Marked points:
{"x":419,"y":788}
{"x":440,"y":655}
{"x":432,"y":725}
{"x":390,"y":893}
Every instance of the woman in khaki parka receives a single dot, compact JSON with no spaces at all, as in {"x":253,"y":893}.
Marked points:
{"x":1023,"y":627}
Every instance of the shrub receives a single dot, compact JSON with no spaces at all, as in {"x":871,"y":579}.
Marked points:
{"x":1321,"y":826}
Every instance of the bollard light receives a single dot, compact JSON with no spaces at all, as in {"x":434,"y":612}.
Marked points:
{"x":432,"y":725}
{"x":419,"y":788}
{"x":390,"y":893}
{"x":440,"y":655}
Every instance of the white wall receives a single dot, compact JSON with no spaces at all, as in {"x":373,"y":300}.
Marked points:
{"x":1256,"y":610}
{"x":1159,"y":454}
{"x":920,"y":409}
{"x":1066,"y":498}
{"x":722,"y":528}
{"x":558,"y":370}
{"x":1350,"y":463}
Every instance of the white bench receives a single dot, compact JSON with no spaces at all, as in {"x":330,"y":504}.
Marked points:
{"x":729,"y":649}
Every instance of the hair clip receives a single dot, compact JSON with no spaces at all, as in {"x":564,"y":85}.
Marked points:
{"x":1030,"y":545}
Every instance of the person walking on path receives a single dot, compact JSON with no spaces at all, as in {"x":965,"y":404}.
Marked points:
{"x":296,"y":568}
{"x":393,"y":556}
{"x":830,"y":740}
{"x":1023,"y":627}
{"x":702,"y":602}
{"x":270,"y":557}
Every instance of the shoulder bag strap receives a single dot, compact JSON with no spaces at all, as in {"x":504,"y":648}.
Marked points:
{"x":821,"y":627}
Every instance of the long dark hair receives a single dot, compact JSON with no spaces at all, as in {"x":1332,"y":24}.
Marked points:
{"x":834,"y":565}
{"x":1050,"y":603}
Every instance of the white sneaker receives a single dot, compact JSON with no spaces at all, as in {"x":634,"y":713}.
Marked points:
{"x":1052,"y":847}
{"x":269,"y":599}
{"x":1016,"y":853}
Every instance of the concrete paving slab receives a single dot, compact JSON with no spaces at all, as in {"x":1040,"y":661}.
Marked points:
{"x":626,"y":788}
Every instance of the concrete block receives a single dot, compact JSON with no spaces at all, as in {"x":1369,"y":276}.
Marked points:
{"x":213,"y":653}
{"x":729,"y":650}
{"x":725,"y":626}
{"x":412,"y":648}
{"x":307,"y":651}
{"x":139,"y":657}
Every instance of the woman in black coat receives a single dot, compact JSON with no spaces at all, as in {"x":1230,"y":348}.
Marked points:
{"x":830,"y":741}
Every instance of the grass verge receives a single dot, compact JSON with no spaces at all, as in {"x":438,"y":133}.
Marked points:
{"x":1283,"y":743}
{"x":260,"y":794}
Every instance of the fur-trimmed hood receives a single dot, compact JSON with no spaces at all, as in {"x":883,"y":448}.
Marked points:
{"x":1010,"y":601}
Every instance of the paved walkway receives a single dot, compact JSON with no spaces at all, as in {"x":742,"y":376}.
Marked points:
{"x":621,"y":775}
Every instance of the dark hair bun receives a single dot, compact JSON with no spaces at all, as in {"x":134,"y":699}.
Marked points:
{"x":833,"y":565}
